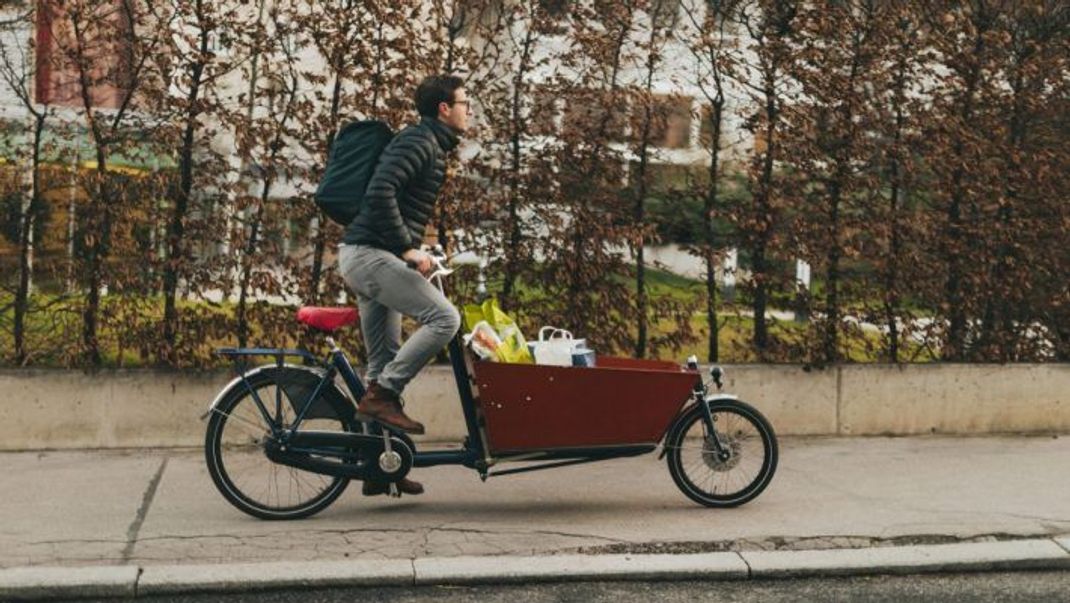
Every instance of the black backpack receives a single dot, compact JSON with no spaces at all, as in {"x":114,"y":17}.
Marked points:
{"x":350,"y":165}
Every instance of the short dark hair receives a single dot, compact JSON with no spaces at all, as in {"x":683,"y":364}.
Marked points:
{"x":436,"y":89}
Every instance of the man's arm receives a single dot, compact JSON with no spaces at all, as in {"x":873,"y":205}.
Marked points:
{"x":405,"y":157}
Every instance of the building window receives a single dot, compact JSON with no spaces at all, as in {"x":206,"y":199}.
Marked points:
{"x":670,"y":125}
{"x":587,"y":110}
{"x":544,"y":114}
{"x":705,"y":130}
{"x":551,"y":16}
{"x":577,"y":180}
{"x":723,"y":15}
{"x":667,"y":179}
{"x":106,"y":48}
{"x":663,"y":13}
{"x":556,"y":9}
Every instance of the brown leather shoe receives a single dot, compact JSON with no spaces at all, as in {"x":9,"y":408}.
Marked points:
{"x":382,"y":404}
{"x":405,"y":486}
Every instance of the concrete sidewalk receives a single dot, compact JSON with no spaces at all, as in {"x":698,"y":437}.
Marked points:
{"x":153,"y":508}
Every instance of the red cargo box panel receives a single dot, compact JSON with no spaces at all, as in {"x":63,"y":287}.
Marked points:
{"x":621,"y":401}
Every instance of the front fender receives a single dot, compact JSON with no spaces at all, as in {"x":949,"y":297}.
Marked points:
{"x":708,"y":399}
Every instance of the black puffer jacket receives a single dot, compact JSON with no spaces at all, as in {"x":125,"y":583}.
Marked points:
{"x":401,"y":193}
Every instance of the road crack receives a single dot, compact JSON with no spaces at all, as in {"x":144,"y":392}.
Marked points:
{"x":142,"y":511}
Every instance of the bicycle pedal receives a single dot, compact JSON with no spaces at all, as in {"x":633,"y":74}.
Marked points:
{"x":363,"y":418}
{"x":391,"y":429}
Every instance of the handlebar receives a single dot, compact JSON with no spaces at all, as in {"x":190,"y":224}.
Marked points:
{"x":438,"y":262}
{"x":441,"y":263}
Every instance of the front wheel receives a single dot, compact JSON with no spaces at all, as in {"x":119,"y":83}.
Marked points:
{"x":743,"y":468}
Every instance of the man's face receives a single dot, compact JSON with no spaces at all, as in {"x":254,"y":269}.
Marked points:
{"x":455,"y":114}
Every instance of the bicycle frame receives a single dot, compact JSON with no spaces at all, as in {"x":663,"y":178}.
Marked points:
{"x":474,"y":452}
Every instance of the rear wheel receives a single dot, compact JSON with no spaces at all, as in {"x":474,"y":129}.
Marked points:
{"x":740,"y":472}
{"x":234,"y":450}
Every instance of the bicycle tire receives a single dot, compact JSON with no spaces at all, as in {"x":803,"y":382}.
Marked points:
{"x":222,"y":413}
{"x":682,"y":470}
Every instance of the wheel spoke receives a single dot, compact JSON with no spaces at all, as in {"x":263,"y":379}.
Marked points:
{"x":251,"y":427}
{"x":708,"y":477}
{"x":247,"y":477}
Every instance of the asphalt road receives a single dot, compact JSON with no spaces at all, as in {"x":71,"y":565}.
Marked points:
{"x":1021,"y":587}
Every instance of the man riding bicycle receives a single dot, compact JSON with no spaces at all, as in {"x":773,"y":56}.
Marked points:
{"x":381,"y":247}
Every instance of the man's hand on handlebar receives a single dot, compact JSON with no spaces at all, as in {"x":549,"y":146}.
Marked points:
{"x":419,"y":260}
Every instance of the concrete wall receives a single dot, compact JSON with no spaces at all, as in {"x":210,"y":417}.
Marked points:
{"x":70,"y":409}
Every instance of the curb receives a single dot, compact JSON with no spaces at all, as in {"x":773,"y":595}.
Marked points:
{"x":128,"y":581}
{"x":959,"y":557}
{"x":174,"y":579}
{"x":68,"y":582}
{"x":567,"y":568}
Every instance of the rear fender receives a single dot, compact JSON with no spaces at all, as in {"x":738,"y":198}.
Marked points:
{"x":298,"y":383}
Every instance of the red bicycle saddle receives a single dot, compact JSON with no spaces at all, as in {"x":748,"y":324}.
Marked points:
{"x":327,"y":319}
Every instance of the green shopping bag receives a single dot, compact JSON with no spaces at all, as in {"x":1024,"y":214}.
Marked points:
{"x":514,"y":349}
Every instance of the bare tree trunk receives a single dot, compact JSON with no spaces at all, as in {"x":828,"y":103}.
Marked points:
{"x":954,"y":286}
{"x":454,"y":26}
{"x":275,"y":146}
{"x":241,"y":312}
{"x":712,"y":53}
{"x":512,"y":248}
{"x":26,"y":244}
{"x":578,"y":282}
{"x":98,"y":245}
{"x":891,"y":269}
{"x":998,"y":323}
{"x":176,"y":255}
{"x":97,"y":234}
{"x":639,"y":211}
{"x":843,"y":152}
{"x":832,"y":284}
{"x":321,"y":232}
{"x":763,"y":216}
{"x":774,"y":28}
{"x":710,"y":206}
{"x":891,"y":283}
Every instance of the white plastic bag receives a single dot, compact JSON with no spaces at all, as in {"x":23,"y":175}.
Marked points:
{"x":555,"y":347}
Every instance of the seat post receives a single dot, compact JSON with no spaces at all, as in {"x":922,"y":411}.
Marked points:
{"x":331,"y":342}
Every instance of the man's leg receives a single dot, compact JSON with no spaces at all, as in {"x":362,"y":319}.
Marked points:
{"x":381,"y":327}
{"x":388,"y":281}
{"x":404,"y":290}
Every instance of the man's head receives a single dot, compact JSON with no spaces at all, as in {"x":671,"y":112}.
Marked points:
{"x":444,"y":98}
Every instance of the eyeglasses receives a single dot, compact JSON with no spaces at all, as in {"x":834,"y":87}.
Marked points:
{"x":467,"y":103}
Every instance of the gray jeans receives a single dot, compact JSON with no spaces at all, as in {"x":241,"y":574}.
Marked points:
{"x":386,"y":289}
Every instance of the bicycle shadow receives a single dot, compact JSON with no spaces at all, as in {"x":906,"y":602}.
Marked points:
{"x":528,"y":510}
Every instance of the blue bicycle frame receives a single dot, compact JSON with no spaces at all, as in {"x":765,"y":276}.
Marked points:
{"x":473,"y":454}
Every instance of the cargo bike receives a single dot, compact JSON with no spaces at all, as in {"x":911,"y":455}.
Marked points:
{"x":284,"y":439}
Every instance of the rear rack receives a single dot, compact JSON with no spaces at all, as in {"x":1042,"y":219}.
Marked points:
{"x":265,"y":352}
{"x":238,"y":356}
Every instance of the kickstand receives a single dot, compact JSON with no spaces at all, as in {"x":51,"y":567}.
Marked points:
{"x":394,"y":492}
